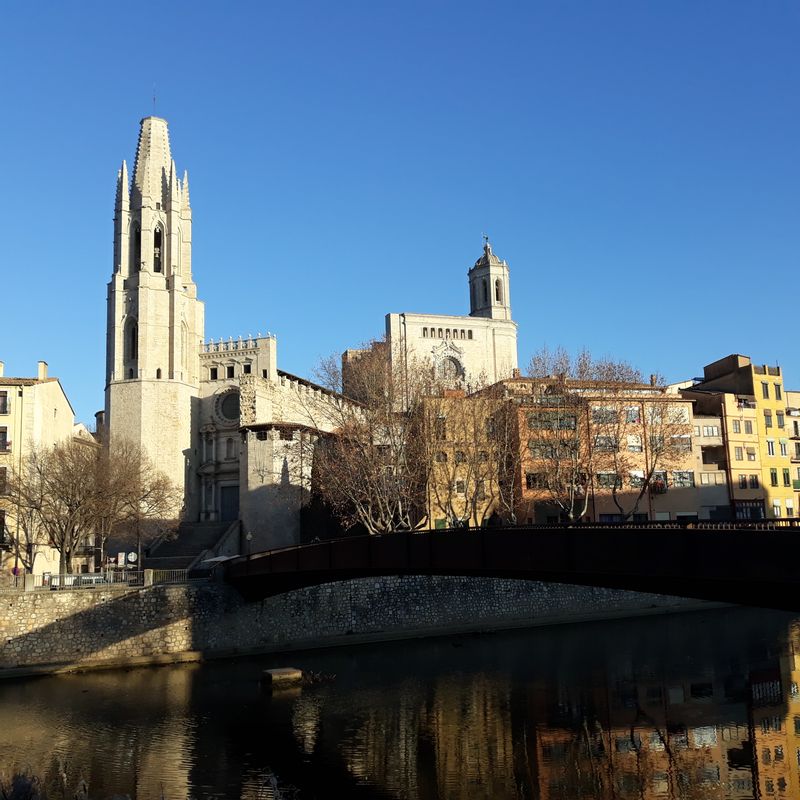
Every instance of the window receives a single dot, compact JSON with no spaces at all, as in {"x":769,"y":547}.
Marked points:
{"x":765,"y":390}
{"x":790,"y":508}
{"x":158,"y":374}
{"x":637,"y":478}
{"x":635,"y":443}
{"x":737,"y":426}
{"x":778,"y":392}
{"x":776,"y":509}
{"x":136,"y":254}
{"x":780,"y":418}
{"x":682,"y":443}
{"x":261,"y":436}
{"x":633,"y":414}
{"x":424,"y":333}
{"x":770,"y":447}
{"x":604,"y":414}
{"x":552,"y":420}
{"x":469,"y":334}
{"x":605,"y":444}
{"x":738,"y":453}
{"x":263,"y":373}
{"x":787,"y":478}
{"x":132,"y":341}
{"x":748,"y":426}
{"x":157,"y":247}
{"x":696,"y":430}
{"x":246,"y":369}
{"x":485,"y":291}
{"x":498,"y":291}
{"x":3,"y":479}
{"x":705,"y":478}
{"x":535,"y":480}
{"x":229,"y":372}
{"x":608,"y":480}
{"x":460,"y":457}
{"x":710,"y":430}
{"x":754,"y":482}
{"x":683,"y":479}
{"x":773,"y":477}
{"x":460,"y":487}
{"x":440,"y":333}
{"x":767,"y":418}
{"x":541,"y":450}
{"x":3,"y":402}
{"x":784,"y":447}
{"x":5,"y":445}
{"x":212,"y":374}
{"x":743,"y":481}
{"x":751,"y":454}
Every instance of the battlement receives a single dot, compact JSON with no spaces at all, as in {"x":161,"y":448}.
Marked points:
{"x":236,"y":345}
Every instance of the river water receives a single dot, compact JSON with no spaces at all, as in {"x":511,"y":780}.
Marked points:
{"x":694,"y":705}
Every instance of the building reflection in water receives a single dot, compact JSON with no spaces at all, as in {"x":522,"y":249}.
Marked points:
{"x":637,"y":721}
{"x":689,"y":706}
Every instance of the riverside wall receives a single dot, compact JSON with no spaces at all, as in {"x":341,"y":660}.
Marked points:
{"x":52,"y":631}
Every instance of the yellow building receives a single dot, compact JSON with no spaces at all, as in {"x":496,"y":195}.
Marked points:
{"x":757,"y":428}
{"x":34,"y":412}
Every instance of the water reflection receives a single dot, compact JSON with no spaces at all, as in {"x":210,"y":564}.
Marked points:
{"x":691,"y":706}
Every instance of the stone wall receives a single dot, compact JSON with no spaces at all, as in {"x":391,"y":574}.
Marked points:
{"x":162,"y":623}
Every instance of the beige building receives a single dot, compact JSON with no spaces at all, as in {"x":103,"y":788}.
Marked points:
{"x":475,"y":350}
{"x":219,"y":418}
{"x":34,"y":412}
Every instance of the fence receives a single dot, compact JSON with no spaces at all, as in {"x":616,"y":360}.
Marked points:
{"x":97,"y":580}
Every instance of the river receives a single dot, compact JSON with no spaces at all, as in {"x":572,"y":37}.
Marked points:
{"x":693,"y":705}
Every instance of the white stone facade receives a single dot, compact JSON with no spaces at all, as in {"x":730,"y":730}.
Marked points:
{"x":474,"y":350}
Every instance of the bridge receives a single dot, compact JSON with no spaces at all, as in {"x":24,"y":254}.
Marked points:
{"x":751,"y":564}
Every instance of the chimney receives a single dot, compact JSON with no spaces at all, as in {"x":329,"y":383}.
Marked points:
{"x":42,"y":375}
{"x":2,"y":369}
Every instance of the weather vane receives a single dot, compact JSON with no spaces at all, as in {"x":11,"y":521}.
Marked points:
{"x":485,"y":238}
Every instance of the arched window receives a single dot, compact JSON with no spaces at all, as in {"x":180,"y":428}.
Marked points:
{"x":158,"y":240}
{"x":425,"y":333}
{"x":440,"y":333}
{"x":158,"y":374}
{"x":229,"y":448}
{"x":136,"y":248}
{"x":447,"y":333}
{"x":498,"y":290}
{"x":485,"y":291}
{"x":131,"y":343}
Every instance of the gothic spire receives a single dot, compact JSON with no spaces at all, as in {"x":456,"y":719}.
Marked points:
{"x":152,"y":161}
{"x":185,"y":197}
{"x":122,"y":201}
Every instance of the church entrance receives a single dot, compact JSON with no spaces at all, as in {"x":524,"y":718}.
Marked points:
{"x":229,"y":503}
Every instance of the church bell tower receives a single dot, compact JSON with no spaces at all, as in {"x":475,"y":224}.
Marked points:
{"x":489,"y":290}
{"x":155,"y":321}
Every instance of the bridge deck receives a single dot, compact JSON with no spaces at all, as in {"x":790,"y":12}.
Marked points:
{"x":747,"y":564}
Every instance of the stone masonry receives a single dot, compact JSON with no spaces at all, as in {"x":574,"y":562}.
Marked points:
{"x":90,"y":628}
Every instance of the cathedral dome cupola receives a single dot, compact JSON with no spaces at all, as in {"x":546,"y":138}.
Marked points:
{"x":489,"y":294}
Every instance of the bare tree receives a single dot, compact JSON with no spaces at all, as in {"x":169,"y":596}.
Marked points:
{"x":78,"y":489}
{"x":546,"y":363}
{"x":370,"y":470}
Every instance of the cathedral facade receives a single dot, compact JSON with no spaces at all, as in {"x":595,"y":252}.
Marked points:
{"x":219,"y":418}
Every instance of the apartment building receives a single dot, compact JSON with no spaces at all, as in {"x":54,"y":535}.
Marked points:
{"x":34,"y":412}
{"x":756,"y":426}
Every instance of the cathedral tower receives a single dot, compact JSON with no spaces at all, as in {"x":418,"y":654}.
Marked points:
{"x":489,"y":289}
{"x":155,"y":321}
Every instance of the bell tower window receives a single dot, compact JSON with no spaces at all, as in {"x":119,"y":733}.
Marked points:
{"x":498,"y":290}
{"x":132,"y":341}
{"x":158,"y":238}
{"x":136,"y":249}
{"x":485,"y":291}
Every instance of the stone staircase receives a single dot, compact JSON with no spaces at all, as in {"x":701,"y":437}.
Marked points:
{"x":193,"y":539}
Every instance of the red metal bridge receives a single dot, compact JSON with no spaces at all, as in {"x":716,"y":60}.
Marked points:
{"x":748,"y":563}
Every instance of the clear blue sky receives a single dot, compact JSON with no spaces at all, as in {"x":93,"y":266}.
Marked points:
{"x":635,"y":162}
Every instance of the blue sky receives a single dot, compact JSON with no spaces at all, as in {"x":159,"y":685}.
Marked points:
{"x":635,"y":162}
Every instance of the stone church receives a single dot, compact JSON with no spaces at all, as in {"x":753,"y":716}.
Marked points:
{"x":219,"y":418}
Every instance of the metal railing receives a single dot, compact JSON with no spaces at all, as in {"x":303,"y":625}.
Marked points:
{"x":116,"y":579}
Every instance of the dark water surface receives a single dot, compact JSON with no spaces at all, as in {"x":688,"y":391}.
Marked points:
{"x":702,"y":705}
